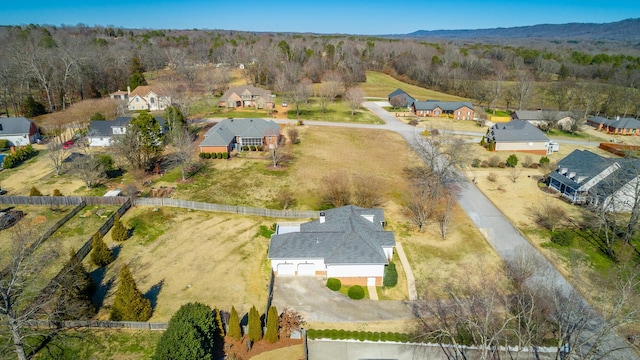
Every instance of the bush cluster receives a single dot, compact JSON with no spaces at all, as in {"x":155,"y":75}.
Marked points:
{"x":218,"y":155}
{"x":21,"y":154}
{"x":544,"y":160}
{"x":356,"y":335}
{"x":356,"y":292}
{"x":334,"y":284}
{"x":4,"y":143}
{"x":390,"y":275}
{"x":562,"y":237}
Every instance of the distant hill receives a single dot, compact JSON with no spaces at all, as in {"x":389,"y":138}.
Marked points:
{"x":624,"y":31}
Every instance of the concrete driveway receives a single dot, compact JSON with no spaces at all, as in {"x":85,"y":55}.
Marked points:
{"x":315,"y":302}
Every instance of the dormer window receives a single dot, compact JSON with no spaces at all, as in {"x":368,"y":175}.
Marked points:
{"x":571,"y":175}
{"x":563,"y":170}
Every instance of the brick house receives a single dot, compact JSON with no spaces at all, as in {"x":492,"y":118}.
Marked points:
{"x":623,"y":126}
{"x":459,"y":110}
{"x":231,"y":134}
{"x":406,"y":99}
{"x":246,"y":96}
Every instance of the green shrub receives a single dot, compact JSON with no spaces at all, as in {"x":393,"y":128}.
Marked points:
{"x":234,"y":331}
{"x":333,"y":334}
{"x":259,"y":148}
{"x":225,"y":155}
{"x":356,"y":292}
{"x":253,"y":148}
{"x":476,"y":163}
{"x":562,"y":237}
{"x":97,"y":116}
{"x":21,"y":154}
{"x":390,"y":275}
{"x":512,"y":160}
{"x":341,"y":334}
{"x":129,"y":303}
{"x":219,"y":155}
{"x":245,"y":148}
{"x":201,"y":155}
{"x":34,"y":191}
{"x":119,"y":232}
{"x":334,"y":284}
{"x":544,"y":160}
{"x":101,"y":255}
{"x":4,"y":143}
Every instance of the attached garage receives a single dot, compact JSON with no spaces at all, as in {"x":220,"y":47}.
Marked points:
{"x":306,"y":270}
{"x":286,"y":269}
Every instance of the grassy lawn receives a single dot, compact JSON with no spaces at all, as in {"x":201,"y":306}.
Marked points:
{"x":178,"y":256}
{"x":381,"y":85}
{"x":580,"y":136}
{"x":103,"y":344}
{"x":500,"y":113}
{"x":337,"y":111}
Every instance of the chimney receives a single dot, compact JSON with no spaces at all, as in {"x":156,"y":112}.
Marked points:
{"x":128,"y":90}
{"x":321,"y":217}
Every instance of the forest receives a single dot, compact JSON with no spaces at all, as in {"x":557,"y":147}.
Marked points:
{"x":45,"y":69}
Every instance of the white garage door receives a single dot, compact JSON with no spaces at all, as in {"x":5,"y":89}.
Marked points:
{"x":286,"y":269}
{"x":306,"y":270}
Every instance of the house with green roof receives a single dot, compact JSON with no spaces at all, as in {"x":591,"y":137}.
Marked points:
{"x":459,"y":110}
{"x":230,"y":134}
{"x":349,"y":243}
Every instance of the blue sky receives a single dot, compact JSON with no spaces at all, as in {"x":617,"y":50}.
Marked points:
{"x":371,"y":17}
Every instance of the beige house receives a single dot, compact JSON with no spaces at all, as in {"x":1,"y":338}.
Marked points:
{"x":520,"y":136}
{"x":246,"y":96}
{"x":148,"y":98}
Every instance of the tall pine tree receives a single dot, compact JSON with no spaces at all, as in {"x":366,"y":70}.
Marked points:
{"x":272,"y":325}
{"x":119,"y":232}
{"x":129,"y":303}
{"x":255,"y":325}
{"x":234,"y":331}
{"x":73,"y":297}
{"x":101,"y":255}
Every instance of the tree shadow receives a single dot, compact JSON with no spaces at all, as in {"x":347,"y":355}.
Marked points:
{"x":153,"y":292}
{"x":102,"y":288}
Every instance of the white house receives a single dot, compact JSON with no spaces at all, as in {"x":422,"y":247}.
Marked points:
{"x":18,"y":131}
{"x":101,"y":132}
{"x":147,"y":98}
{"x":348,"y":243}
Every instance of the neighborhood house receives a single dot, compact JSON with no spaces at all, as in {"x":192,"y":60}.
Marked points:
{"x":231,"y":134}
{"x":348,"y":243}
{"x":434,"y":108}
{"x":587,"y":178}
{"x":18,"y":131}
{"x":520,"y":136}
{"x":623,"y":126}
{"x":147,"y":98}
{"x":401,"y":97}
{"x":101,"y":132}
{"x":246,"y":96}
{"x":543,"y":117}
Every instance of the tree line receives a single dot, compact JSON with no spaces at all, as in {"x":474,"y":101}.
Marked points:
{"x":57,"y":66}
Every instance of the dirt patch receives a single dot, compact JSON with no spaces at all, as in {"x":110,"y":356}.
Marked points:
{"x":238,"y":349}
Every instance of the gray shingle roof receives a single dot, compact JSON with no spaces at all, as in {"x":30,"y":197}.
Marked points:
{"x":103,"y":128}
{"x":444,"y":105}
{"x":516,"y":130}
{"x":623,"y":123}
{"x":223,"y":132}
{"x":253,"y":90}
{"x":346,"y":237}
{"x":584,"y":164}
{"x":15,"y":126}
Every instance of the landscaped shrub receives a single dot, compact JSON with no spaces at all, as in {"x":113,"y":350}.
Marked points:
{"x":21,"y":154}
{"x":390,"y":275}
{"x":485,"y":164}
{"x":129,"y":304}
{"x":494,"y":161}
{"x":533,"y":166}
{"x":119,"y":232}
{"x":512,"y":160}
{"x":492,"y":145}
{"x":356,"y":292}
{"x":234,"y":331}
{"x":259,"y":148}
{"x":245,"y":148}
{"x":476,"y":163}
{"x":492,"y":177}
{"x":34,"y":191}
{"x":56,"y":192}
{"x":342,"y":334}
{"x":225,"y":155}
{"x":202,"y":155}
{"x":544,"y":161}
{"x":502,"y":165}
{"x":97,"y":116}
{"x":101,"y":255}
{"x":253,"y":148}
{"x":334,"y":284}
{"x":483,"y":141}
{"x":562,"y":237}
{"x":4,"y":143}
{"x":219,"y":155}
{"x":272,"y":325}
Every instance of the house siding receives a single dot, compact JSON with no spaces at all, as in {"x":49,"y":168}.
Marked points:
{"x":215,"y":149}
{"x":538,"y":148}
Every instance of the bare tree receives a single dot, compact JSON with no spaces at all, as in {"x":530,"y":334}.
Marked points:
{"x":285,"y":198}
{"x":56,"y":153}
{"x":331,"y":86}
{"x":444,"y":214}
{"x":182,"y":141}
{"x":300,"y":94}
{"x":279,"y":154}
{"x":88,"y":168}
{"x":514,"y":173}
{"x":418,"y":206}
{"x":335,"y":188}
{"x":355,"y":97}
{"x":292,"y":134}
{"x":367,"y":191}
{"x":547,"y":214}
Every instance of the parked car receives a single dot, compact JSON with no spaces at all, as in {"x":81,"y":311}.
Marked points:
{"x":284,"y":104}
{"x":68,"y":144}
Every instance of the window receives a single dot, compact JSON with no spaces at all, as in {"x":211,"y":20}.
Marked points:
{"x":152,"y":100}
{"x":137,"y":99}
{"x":458,"y":112}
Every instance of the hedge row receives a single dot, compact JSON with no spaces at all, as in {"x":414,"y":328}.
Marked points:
{"x":220,"y":155}
{"x":21,"y":155}
{"x":356,"y":335}
{"x":252,"y":147}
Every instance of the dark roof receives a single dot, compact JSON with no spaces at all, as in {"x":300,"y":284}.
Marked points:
{"x":444,"y":105}
{"x":103,"y":128}
{"x":516,"y":130}
{"x":15,"y":126}
{"x":346,"y":236}
{"x":580,"y":165}
{"x":623,"y":123}
{"x":223,"y":132}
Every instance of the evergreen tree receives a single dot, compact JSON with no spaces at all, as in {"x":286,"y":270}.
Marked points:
{"x":34,"y":192}
{"x":272,"y":325}
{"x":174,"y":117}
{"x":33,"y":108}
{"x":220,"y":327}
{"x":57,"y":192}
{"x":129,"y":303}
{"x":101,"y":255}
{"x":193,"y":333}
{"x":119,"y":232}
{"x":234,"y":331}
{"x":137,"y":79}
{"x":76,"y":288}
{"x":255,"y":325}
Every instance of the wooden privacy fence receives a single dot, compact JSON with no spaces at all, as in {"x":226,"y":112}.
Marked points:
{"x":62,"y":200}
{"x":194,"y":205}
{"x":97,"y":324}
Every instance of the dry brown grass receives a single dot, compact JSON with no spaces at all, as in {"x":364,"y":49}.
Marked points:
{"x":78,"y":114}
